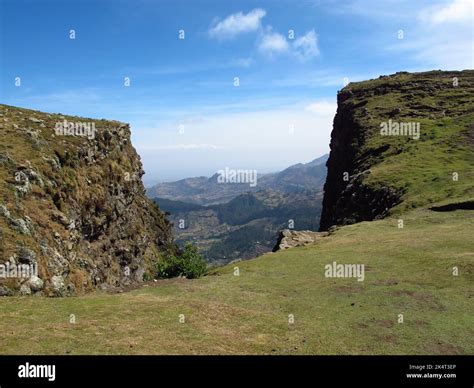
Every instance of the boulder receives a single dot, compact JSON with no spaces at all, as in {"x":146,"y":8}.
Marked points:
{"x":57,"y":284}
{"x":292,"y":238}
{"x":35,"y":283}
{"x":25,"y":289}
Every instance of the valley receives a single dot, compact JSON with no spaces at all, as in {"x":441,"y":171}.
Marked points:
{"x":396,"y":216}
{"x":248,"y":224}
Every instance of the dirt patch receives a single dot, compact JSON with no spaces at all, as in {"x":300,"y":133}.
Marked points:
{"x":384,"y":282}
{"x":349,"y":289}
{"x":420,"y":323}
{"x":386,"y":338}
{"x":402,"y":293}
{"x":443,"y":348}
{"x":384,"y":322}
{"x":426,"y":300}
{"x":153,"y":283}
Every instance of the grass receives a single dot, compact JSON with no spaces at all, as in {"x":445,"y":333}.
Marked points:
{"x":408,"y":271}
{"x":421,"y":169}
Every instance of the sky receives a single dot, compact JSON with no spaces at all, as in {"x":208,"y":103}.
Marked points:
{"x":209,"y":84}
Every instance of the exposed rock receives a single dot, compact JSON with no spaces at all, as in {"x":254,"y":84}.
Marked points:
{"x":292,"y":238}
{"x":5,"y":291}
{"x":26,"y":256}
{"x":355,"y":189}
{"x":23,"y":226}
{"x":4,"y":211}
{"x":25,"y":289}
{"x":58,"y":286}
{"x":70,"y":203}
{"x":35,"y":120}
{"x":35,"y":283}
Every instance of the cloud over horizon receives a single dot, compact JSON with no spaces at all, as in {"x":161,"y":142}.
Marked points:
{"x":237,"y":23}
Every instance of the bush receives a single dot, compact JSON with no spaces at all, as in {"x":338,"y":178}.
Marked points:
{"x":189,"y":264}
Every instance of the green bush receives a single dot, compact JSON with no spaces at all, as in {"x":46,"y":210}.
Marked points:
{"x":189,"y":263}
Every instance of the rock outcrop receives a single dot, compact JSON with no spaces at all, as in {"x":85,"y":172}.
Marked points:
{"x":73,"y":208}
{"x":373,"y":170}
{"x":293,"y":238}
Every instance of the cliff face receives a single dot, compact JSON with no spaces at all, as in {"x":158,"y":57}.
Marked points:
{"x":398,"y":142}
{"x":73,"y":206}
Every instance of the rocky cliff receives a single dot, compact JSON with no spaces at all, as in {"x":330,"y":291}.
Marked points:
{"x":398,"y":142}
{"x":73,"y":209}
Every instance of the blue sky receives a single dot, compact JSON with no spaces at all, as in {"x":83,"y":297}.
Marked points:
{"x":187,"y":115}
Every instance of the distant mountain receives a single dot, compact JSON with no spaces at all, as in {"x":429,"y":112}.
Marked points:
{"x":208,"y":191}
{"x":235,"y":221}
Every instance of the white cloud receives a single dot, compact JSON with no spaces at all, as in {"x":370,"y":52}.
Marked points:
{"x":306,"y":46}
{"x":437,"y":36}
{"x":268,"y":139}
{"x":443,"y":39}
{"x":238,"y":23}
{"x":272,"y":43}
{"x":457,"y":11}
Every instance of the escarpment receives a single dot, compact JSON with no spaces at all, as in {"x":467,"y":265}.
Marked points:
{"x":73,"y":210}
{"x":399,"y":142}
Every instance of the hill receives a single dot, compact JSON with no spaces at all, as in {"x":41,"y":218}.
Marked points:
{"x":240,"y":221}
{"x":415,"y":295}
{"x":209,"y":191}
{"x":372,"y":174}
{"x":408,"y":271}
{"x":72,"y":204}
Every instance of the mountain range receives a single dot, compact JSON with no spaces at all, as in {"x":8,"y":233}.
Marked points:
{"x":229,"y":221}
{"x":208,"y":191}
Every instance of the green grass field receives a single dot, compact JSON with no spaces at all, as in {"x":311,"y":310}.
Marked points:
{"x":407,"y":271}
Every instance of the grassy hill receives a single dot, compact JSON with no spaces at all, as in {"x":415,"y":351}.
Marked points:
{"x":282,"y":303}
{"x":395,"y":173}
{"x":408,"y":271}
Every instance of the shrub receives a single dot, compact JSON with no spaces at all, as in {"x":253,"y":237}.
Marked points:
{"x":189,"y":263}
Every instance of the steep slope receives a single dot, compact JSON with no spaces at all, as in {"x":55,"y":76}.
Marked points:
{"x":72,"y":203}
{"x":372,"y":173}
